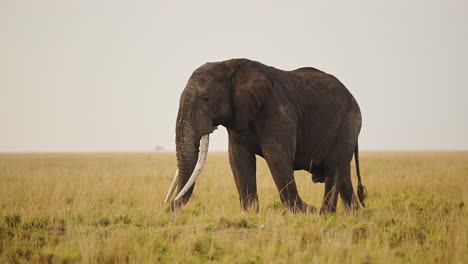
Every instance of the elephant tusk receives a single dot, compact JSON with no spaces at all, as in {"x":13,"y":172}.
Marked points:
{"x":204,"y":142}
{"x":173,"y":186}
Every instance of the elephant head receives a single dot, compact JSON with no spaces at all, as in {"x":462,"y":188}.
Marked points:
{"x":213,"y":96}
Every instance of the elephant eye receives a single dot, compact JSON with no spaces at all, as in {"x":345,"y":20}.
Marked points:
{"x":206,"y":99}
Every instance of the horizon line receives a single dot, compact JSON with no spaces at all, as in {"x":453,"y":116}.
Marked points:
{"x":213,"y":151}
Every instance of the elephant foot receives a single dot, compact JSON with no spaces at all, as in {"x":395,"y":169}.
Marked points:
{"x":352,"y":206}
{"x":250,"y":205}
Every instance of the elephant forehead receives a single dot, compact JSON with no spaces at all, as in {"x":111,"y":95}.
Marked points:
{"x":203,"y":84}
{"x":196,"y":87}
{"x":201,"y":81}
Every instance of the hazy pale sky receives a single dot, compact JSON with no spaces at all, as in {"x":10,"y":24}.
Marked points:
{"x":107,"y":75}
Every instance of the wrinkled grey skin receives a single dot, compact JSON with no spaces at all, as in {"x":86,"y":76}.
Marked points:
{"x":296,"y":120}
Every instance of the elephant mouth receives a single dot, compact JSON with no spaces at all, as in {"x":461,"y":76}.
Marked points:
{"x":207,"y":130}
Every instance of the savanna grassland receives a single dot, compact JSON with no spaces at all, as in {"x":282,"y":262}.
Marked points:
{"x":109,"y":208}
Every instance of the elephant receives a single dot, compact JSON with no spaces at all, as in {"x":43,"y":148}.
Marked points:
{"x":304,"y":119}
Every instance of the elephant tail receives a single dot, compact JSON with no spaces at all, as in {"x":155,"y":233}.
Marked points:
{"x":361,"y":189}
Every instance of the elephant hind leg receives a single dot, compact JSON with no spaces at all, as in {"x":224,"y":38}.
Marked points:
{"x":339,"y":183}
{"x":346,"y":191}
{"x":338,"y":167}
{"x":283,"y":175}
{"x":332,"y":186}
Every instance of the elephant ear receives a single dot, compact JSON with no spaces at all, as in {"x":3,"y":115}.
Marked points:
{"x":250,"y":89}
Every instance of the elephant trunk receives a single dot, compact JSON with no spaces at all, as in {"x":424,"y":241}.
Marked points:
{"x":190,"y":161}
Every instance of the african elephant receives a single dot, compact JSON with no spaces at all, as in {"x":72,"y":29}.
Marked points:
{"x":303,"y":119}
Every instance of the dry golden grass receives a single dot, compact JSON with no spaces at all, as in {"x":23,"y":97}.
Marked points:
{"x":109,"y":208}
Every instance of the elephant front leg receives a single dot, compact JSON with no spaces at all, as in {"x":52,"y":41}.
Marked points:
{"x":243,"y":166}
{"x":283,"y":174}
